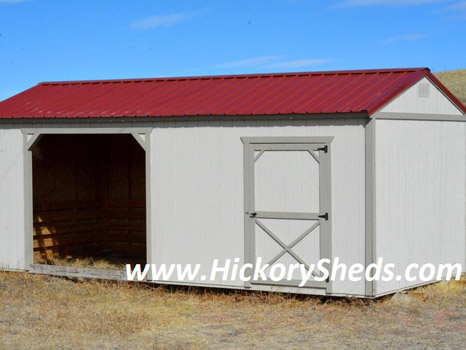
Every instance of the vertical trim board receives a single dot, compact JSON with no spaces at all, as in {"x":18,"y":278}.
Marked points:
{"x":370,"y":227}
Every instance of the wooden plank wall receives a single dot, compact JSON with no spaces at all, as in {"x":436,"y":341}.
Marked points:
{"x":89,"y":197}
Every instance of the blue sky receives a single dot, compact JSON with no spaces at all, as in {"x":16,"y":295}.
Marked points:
{"x":44,"y":40}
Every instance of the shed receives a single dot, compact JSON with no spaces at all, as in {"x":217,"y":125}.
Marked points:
{"x":292,"y":168}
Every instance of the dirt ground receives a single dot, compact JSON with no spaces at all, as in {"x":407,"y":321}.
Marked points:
{"x":42,"y":312}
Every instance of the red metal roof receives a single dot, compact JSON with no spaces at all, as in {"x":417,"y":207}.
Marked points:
{"x":363,"y":91}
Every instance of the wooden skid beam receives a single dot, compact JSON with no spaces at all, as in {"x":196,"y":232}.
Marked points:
{"x":78,"y":272}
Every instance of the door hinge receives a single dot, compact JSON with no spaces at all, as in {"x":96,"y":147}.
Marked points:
{"x":325,"y":149}
{"x":325,"y":216}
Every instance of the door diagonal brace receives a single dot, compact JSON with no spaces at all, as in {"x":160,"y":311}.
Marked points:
{"x":314,"y":156}
{"x":288,"y":248}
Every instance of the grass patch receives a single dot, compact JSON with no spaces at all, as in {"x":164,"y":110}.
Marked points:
{"x":43,"y":312}
{"x":455,"y":81}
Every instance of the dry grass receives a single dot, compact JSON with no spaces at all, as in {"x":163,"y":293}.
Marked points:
{"x":455,"y":81}
{"x":42,"y":312}
{"x":82,"y":262}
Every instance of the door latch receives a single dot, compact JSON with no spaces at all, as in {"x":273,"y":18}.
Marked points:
{"x":325,"y":216}
{"x":325,"y":149}
{"x":252,"y":215}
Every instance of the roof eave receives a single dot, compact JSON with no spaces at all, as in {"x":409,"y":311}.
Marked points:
{"x":121,"y":119}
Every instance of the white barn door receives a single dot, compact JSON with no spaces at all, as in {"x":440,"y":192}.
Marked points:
{"x":287,"y":206}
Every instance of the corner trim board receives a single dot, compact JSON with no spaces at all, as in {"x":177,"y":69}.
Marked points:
{"x":27,"y":198}
{"x":370,"y":202}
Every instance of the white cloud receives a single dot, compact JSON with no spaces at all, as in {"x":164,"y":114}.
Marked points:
{"x":307,"y":62}
{"x":456,"y":11}
{"x":460,"y":6}
{"x":405,"y":37}
{"x":159,"y":21}
{"x":355,"y":3}
{"x":249,"y":62}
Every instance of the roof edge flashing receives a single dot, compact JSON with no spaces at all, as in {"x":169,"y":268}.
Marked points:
{"x":233,"y":76}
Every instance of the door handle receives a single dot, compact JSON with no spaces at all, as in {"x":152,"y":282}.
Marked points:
{"x":252,"y":215}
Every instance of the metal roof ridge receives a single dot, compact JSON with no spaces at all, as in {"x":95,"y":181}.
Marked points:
{"x":235,"y":76}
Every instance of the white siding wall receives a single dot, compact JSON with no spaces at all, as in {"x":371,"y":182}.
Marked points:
{"x":12,"y":247}
{"x":420,"y":196}
{"x":411,"y":101}
{"x":197,"y":189}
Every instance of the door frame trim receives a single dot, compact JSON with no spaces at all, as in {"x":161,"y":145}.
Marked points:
{"x":288,"y":139}
{"x":324,"y":194}
{"x":31,"y":136}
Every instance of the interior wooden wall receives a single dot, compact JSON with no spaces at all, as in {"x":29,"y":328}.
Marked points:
{"x":89,"y":197}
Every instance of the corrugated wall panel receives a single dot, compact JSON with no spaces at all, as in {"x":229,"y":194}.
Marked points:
{"x":12,"y":246}
{"x":197,"y":189}
{"x":420,"y":198}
